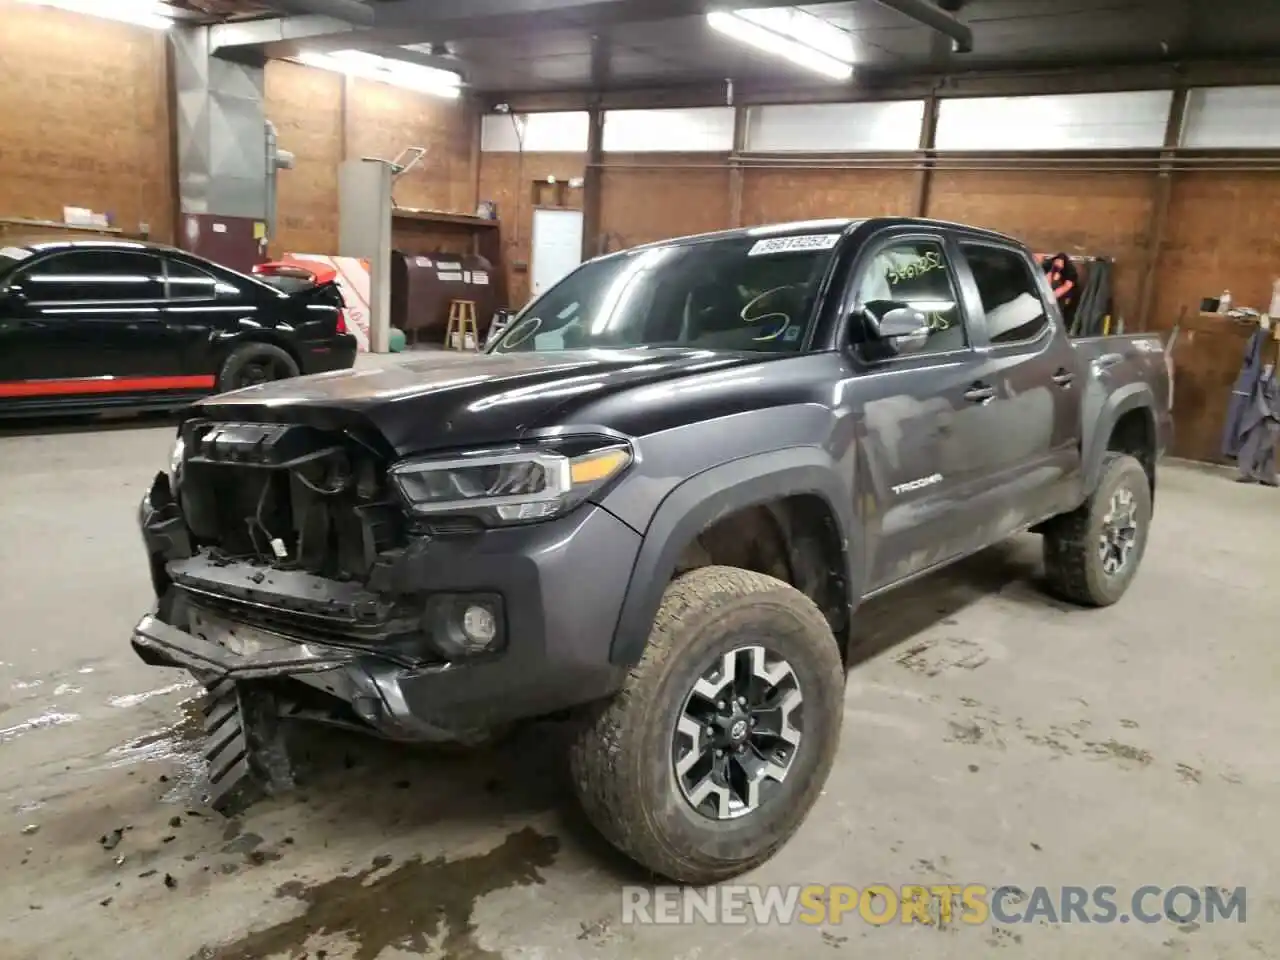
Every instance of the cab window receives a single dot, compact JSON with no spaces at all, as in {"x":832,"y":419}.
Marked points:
{"x":915,"y":274}
{"x":1010,"y":297}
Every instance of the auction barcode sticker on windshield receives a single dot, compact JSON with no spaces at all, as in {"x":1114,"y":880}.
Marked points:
{"x":810,"y":241}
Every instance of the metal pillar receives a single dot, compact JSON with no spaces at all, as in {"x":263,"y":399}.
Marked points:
{"x":364,"y":231}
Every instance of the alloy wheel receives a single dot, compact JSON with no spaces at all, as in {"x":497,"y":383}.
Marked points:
{"x":260,"y":371}
{"x":1119,"y":532}
{"x":738,"y":733}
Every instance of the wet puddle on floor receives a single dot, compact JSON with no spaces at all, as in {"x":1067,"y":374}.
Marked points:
{"x":177,"y":744}
{"x":134,"y":699}
{"x":413,"y":905}
{"x":50,"y":718}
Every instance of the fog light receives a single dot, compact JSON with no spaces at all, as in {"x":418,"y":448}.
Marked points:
{"x":464,"y":625}
{"x":480,"y":625}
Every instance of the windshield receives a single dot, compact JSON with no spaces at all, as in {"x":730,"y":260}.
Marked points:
{"x":739,"y":293}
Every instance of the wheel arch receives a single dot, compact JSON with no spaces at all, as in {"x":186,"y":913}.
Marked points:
{"x":1127,"y":424}
{"x":796,"y":493}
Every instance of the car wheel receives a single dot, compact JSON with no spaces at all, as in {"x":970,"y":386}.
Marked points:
{"x":719,"y":743}
{"x":1092,"y":553}
{"x":253,"y":363}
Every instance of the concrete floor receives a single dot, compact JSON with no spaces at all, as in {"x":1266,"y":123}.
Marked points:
{"x":991,"y":736}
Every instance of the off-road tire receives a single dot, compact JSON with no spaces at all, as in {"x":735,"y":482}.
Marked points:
{"x":245,"y":747}
{"x":621,"y":757}
{"x":251,"y":353}
{"x":1073,"y":568}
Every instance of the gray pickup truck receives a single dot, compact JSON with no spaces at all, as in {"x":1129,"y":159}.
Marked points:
{"x":653,"y":506}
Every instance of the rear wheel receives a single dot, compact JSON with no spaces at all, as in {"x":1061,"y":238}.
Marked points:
{"x":251,"y":364}
{"x":1092,"y":553}
{"x":719,"y":744}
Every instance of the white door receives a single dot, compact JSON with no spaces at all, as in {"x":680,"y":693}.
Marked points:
{"x":557,"y":246}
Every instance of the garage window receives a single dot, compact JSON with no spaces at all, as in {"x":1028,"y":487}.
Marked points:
{"x":1010,"y":296}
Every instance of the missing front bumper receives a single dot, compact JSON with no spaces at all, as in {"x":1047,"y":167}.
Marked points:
{"x":218,"y":651}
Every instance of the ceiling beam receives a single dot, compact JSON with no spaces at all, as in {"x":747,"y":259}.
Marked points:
{"x":351,"y":11}
{"x":248,"y":38}
{"x":922,"y":11}
{"x":438,"y":61}
{"x":1014,"y":81}
{"x":420,"y":21}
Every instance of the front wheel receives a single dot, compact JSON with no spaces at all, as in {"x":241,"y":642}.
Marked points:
{"x":1092,"y":553}
{"x":719,"y":744}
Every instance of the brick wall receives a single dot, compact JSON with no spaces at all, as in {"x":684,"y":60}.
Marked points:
{"x":382,"y":120}
{"x":640,"y":204}
{"x":84,"y":110}
{"x":1104,"y":214}
{"x":772,"y":195}
{"x":1221,"y":234}
{"x":84,"y":106}
{"x":508,"y":181}
{"x":305,"y":104}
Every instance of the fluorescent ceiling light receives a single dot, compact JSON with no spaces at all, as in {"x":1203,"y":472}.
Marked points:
{"x":142,"y":13}
{"x":399,"y":73}
{"x":793,"y":34}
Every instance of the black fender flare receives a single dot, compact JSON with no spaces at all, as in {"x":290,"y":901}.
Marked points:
{"x":701,"y":500}
{"x":1134,"y":396}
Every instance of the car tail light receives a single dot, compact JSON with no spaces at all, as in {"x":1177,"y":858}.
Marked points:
{"x":342,"y":321}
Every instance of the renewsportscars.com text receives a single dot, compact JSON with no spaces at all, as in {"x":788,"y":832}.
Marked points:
{"x":937,"y":904}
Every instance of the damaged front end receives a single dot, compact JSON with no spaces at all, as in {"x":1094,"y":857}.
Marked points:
{"x":263,"y":541}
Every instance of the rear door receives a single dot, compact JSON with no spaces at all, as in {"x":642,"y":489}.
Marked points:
{"x":200,"y":309}
{"x":919,"y":416}
{"x":1031,"y":447}
{"x":92,"y":313}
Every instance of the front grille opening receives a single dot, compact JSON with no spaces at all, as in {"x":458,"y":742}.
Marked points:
{"x":323,"y":506}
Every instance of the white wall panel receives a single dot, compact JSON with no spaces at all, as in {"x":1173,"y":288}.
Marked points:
{"x":700,"y":129}
{"x":1232,"y":117}
{"x":1079,"y":121}
{"x":545,"y":132}
{"x":835,"y":127}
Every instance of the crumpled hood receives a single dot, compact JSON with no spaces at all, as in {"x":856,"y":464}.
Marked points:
{"x":450,"y":399}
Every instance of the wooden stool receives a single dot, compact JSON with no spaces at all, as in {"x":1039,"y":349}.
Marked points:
{"x":462,"y":321}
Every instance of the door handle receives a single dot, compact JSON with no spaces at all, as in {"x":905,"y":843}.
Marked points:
{"x":980,"y":393}
{"x":1064,"y":377}
{"x":1107,"y":360}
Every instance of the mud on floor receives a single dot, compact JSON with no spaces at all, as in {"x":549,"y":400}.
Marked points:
{"x":348,"y":865}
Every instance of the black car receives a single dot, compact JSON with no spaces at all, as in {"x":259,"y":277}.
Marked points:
{"x":93,"y":324}
{"x":655,"y":504}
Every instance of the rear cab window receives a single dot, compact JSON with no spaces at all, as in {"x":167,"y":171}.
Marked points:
{"x":1013,"y":308}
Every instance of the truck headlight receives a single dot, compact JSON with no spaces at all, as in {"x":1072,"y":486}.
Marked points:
{"x":511,"y":485}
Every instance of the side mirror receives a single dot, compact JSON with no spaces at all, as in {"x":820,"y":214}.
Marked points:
{"x":14,"y":295}
{"x":901,"y":329}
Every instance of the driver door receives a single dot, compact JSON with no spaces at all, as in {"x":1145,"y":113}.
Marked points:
{"x":919,"y":408}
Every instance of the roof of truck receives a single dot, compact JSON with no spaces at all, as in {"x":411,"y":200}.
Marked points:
{"x":842,"y":224}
